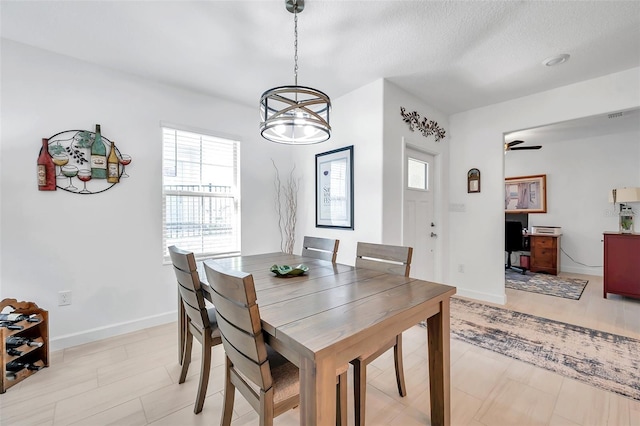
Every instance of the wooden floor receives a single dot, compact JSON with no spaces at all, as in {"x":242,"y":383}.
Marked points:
{"x":133,"y":380}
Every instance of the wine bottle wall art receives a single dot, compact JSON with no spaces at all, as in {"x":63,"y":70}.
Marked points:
{"x":81,"y":162}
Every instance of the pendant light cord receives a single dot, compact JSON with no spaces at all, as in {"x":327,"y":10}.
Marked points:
{"x":295,"y":42}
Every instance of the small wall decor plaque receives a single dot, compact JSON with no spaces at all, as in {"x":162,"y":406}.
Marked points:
{"x":473,"y":181}
{"x":425,"y":126}
{"x":80,"y":161}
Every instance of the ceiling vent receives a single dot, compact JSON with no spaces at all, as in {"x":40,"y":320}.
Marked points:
{"x":615,"y":115}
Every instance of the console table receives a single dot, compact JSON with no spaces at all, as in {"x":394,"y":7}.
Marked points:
{"x":622,"y":264}
{"x":545,"y":253}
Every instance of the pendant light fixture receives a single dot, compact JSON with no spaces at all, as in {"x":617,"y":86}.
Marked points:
{"x":295,"y":115}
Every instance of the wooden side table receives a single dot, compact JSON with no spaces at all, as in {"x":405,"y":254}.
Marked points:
{"x":545,"y":253}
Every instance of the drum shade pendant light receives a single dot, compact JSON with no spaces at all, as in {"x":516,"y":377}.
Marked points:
{"x":295,"y":115}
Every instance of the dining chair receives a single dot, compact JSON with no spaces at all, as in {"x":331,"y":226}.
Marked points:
{"x":392,"y":260}
{"x":200,"y":322}
{"x":320,"y":248}
{"x":268,"y":381}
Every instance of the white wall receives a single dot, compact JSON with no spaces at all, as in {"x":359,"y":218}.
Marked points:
{"x":580,"y":175}
{"x":477,"y":233}
{"x":356,"y":120}
{"x":396,"y":135}
{"x":106,"y":248}
{"x":370,"y":119}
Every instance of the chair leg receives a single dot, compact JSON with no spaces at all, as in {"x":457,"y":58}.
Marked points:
{"x":205,"y":369}
{"x":186,"y":357}
{"x":229,"y":395}
{"x":359,"y":391}
{"x":266,"y":408}
{"x":341,"y":402}
{"x":397,"y":354}
{"x":182,"y":324}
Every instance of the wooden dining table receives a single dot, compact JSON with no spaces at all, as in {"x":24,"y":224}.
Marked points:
{"x":334,"y":313}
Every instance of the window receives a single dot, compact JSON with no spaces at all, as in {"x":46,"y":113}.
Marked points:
{"x":417,"y":174}
{"x":200,"y":193}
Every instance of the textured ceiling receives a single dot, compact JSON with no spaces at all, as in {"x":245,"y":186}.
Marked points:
{"x":455,"y":55}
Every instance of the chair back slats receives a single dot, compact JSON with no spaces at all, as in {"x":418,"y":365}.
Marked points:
{"x":238,"y":315}
{"x":233,"y":294}
{"x":184,"y":266}
{"x":320,"y":248}
{"x":182,"y":259}
{"x":260,"y":374}
{"x":383,"y":257}
{"x":250,"y":346}
{"x":234,"y":285}
{"x":187,"y":279}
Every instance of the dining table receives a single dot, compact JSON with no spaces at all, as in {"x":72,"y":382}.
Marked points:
{"x":334,"y":313}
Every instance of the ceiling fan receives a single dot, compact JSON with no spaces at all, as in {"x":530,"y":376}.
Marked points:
{"x":510,"y":146}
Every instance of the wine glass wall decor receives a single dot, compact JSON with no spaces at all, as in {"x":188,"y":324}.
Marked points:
{"x":80,"y":161}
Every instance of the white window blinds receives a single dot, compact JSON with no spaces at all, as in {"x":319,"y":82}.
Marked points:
{"x":200,"y":193}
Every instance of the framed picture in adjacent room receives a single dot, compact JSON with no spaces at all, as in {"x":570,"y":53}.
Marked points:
{"x":334,"y":188}
{"x":525,"y":194}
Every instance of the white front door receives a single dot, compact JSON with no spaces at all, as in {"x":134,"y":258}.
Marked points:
{"x":419,"y":227}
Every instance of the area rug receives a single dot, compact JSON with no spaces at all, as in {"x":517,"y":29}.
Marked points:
{"x":604,"y":360}
{"x":569,"y":288}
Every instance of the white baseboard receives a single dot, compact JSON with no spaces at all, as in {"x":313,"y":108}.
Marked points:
{"x":87,"y":336}
{"x":486,"y":297}
{"x":597,"y":271}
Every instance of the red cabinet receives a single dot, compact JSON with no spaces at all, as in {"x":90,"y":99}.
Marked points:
{"x":622,"y":264}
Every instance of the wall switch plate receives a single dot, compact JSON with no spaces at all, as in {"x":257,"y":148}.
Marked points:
{"x":64,"y":298}
{"x":461,"y":268}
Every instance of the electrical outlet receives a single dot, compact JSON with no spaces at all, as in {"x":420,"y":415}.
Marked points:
{"x":64,"y":298}
{"x":461,"y":268}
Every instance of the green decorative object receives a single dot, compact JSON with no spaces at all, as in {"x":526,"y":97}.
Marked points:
{"x":289,"y":271}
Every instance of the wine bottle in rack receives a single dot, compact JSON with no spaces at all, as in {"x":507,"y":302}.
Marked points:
{"x":18,"y":318}
{"x":15,"y":341}
{"x":14,"y":352}
{"x":46,"y":169}
{"x":113,"y":165}
{"x":16,"y":365}
{"x":98,"y":157}
{"x":10,"y":325}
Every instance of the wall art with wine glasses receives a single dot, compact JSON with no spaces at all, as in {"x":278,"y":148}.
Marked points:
{"x":80,"y":161}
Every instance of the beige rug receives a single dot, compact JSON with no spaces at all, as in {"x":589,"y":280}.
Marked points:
{"x":605,"y":360}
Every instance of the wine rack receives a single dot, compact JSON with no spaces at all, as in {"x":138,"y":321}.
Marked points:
{"x":37,"y":331}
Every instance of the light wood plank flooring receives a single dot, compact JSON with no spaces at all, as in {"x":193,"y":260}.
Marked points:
{"x":133,"y":380}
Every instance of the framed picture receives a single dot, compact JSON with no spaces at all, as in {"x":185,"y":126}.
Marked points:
{"x":334,"y":188}
{"x":473,"y":181}
{"x":525,"y":194}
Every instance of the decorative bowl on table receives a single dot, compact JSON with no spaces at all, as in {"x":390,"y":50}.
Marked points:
{"x":287,"y":271}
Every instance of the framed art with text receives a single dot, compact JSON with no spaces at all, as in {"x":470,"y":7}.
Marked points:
{"x":334,"y":188}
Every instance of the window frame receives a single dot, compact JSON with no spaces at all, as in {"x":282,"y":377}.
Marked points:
{"x":233,"y":194}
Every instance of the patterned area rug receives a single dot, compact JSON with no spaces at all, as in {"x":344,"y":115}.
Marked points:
{"x":604,"y":360}
{"x":569,"y":288}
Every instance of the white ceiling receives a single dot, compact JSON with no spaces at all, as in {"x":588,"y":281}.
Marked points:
{"x":626,"y":121}
{"x":455,"y":55}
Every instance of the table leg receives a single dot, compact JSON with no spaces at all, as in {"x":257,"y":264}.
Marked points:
{"x":318,"y":392}
{"x":439,"y":366}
